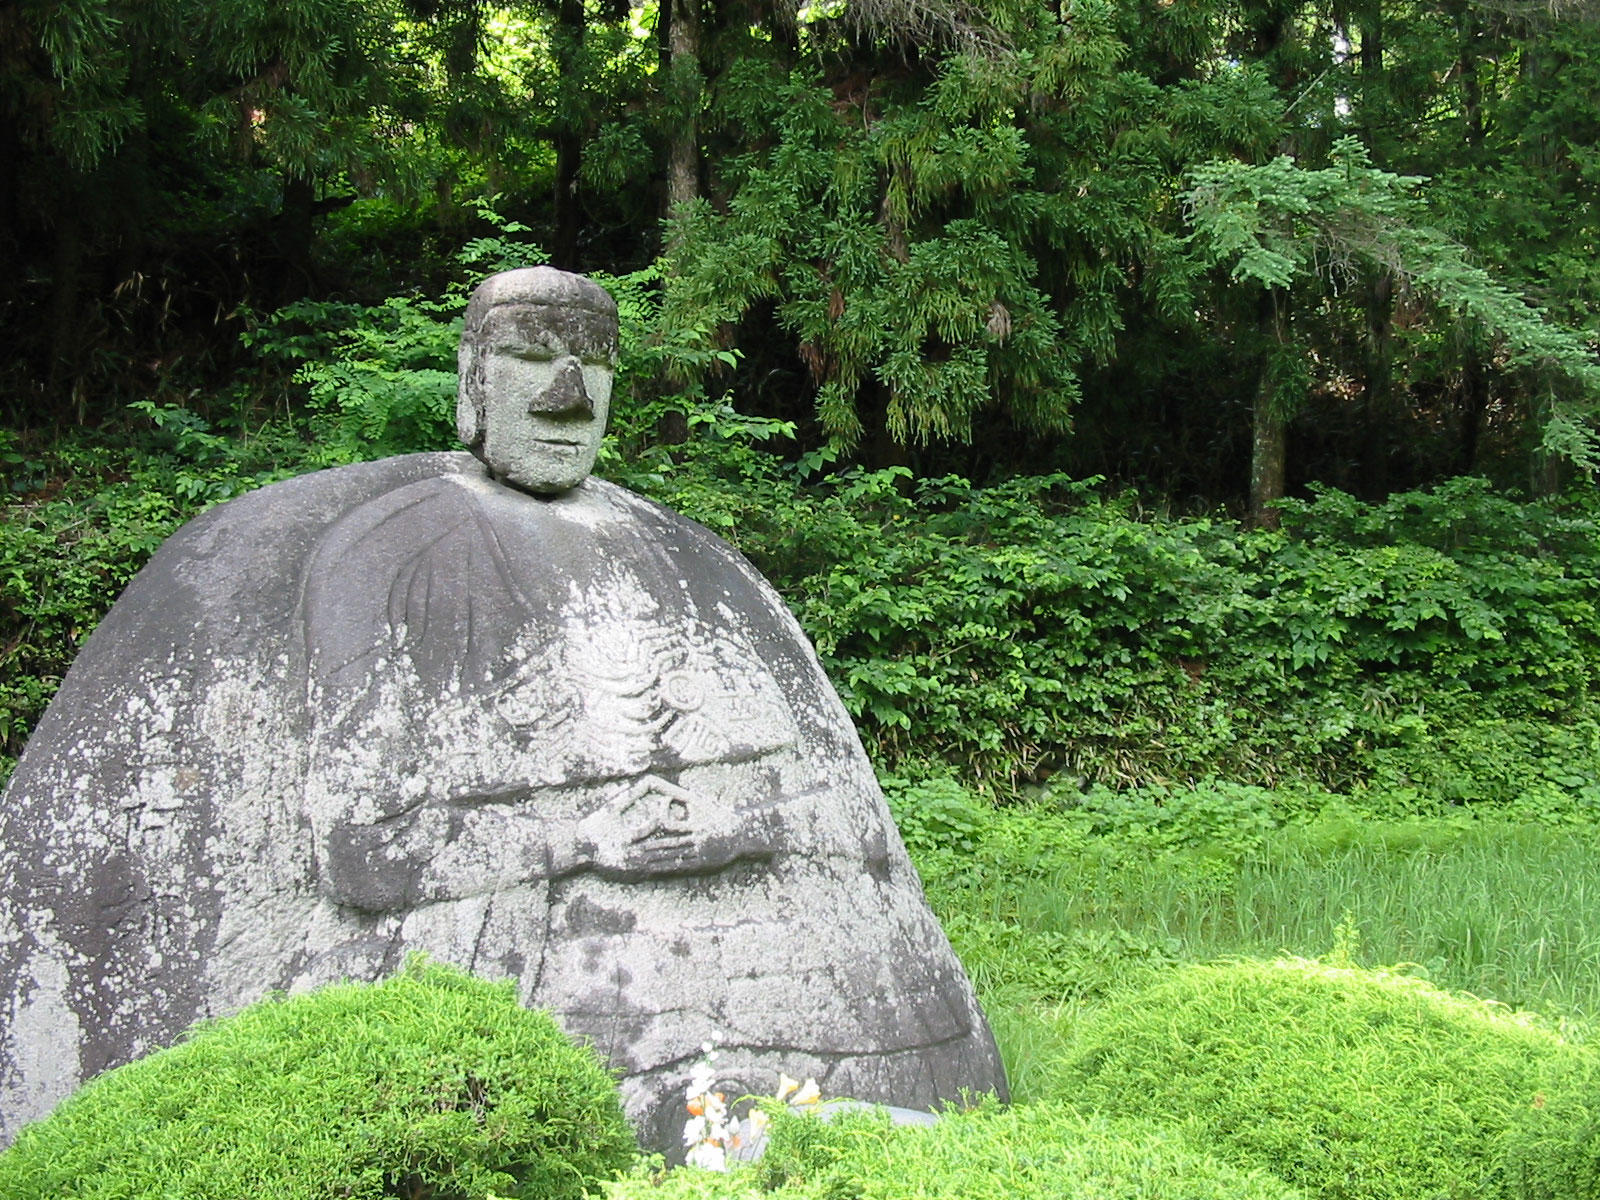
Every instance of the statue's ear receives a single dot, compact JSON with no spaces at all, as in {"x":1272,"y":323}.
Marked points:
{"x":469,"y":396}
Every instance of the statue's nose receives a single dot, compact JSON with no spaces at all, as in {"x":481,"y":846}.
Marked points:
{"x":564,"y":395}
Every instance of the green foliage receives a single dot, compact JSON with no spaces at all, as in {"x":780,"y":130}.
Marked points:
{"x":1229,"y":819}
{"x":917,"y":224}
{"x":380,"y":379}
{"x":1009,"y":963}
{"x":1347,"y":1082}
{"x":1034,"y":629}
{"x":1053,"y":905}
{"x":984,"y":624}
{"x":1027,"y":1153}
{"x":430,"y":1083}
{"x":935,"y":814}
{"x":176,"y":163}
{"x":938,"y":244}
{"x":308,"y":67}
{"x":1276,"y":222}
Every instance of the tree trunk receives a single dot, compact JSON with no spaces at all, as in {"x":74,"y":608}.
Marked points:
{"x":1544,"y":468}
{"x":64,"y":320}
{"x":1273,"y":34}
{"x":11,"y":151}
{"x":1474,"y":394}
{"x":568,"y":134}
{"x":1268,"y":457}
{"x":1472,"y":404}
{"x":295,"y":231}
{"x":1379,"y":415}
{"x":1374,"y":84}
{"x":564,"y":239}
{"x":683,"y":151}
{"x":1269,"y":425}
{"x":1469,"y":33}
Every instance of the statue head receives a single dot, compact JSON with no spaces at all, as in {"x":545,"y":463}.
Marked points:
{"x":537,"y":357}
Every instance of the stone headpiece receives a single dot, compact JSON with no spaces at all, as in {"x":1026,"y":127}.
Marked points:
{"x":559,"y":300}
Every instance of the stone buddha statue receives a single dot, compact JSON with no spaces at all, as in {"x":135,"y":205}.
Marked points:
{"x":491,"y":708}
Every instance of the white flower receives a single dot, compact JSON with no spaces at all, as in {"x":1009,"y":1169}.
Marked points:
{"x":707,"y":1155}
{"x":796,"y":1093}
{"x":701,"y":1078}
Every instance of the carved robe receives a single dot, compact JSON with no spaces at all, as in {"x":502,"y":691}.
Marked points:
{"x":574,"y":741}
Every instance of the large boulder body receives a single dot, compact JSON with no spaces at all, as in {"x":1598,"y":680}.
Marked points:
{"x":576,"y":741}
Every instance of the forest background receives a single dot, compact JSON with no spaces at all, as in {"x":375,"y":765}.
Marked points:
{"x":1172,"y":420}
{"x":874,"y":258}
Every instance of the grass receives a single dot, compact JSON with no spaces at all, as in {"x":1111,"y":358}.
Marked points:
{"x":1031,"y":1152}
{"x":1505,"y":910}
{"x":1350,"y":1083}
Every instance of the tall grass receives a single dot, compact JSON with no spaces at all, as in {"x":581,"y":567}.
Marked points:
{"x":1505,"y":911}
{"x":1510,"y":913}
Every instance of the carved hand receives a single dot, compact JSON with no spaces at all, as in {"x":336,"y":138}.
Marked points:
{"x":651,"y":827}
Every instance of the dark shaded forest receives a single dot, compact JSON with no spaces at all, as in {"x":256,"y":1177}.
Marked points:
{"x":1003,"y":338}
{"x":1217,"y":249}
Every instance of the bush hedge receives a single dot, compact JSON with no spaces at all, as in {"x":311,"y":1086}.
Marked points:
{"x":431,"y":1085}
{"x":1031,"y":1152}
{"x":1351,"y":1084}
{"x":1442,"y":647}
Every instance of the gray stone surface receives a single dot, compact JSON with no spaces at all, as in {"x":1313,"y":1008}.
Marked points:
{"x":572,"y":739}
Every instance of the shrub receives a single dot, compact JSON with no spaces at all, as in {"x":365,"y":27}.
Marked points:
{"x":1029,"y":1152}
{"x":430,"y":1084}
{"x":1036,"y":629}
{"x":1438,"y":649}
{"x":1347,"y":1082}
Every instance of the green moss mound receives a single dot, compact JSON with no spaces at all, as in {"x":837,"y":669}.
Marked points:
{"x":1029,"y":1152}
{"x":1352,"y":1084}
{"x":431,"y":1084}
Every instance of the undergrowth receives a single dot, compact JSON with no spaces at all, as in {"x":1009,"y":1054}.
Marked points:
{"x":1050,"y":904}
{"x":1042,"y":1152}
{"x":428,"y":1084}
{"x":1037,"y":637}
{"x":1351,"y":1084}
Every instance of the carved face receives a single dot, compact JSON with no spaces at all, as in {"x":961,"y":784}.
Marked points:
{"x":546,"y":396}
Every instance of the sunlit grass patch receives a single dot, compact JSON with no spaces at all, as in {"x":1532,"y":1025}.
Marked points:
{"x":1505,"y":910}
{"x":1352,"y":1083}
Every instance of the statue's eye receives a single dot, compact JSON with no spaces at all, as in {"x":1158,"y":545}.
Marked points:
{"x":536,"y":354}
